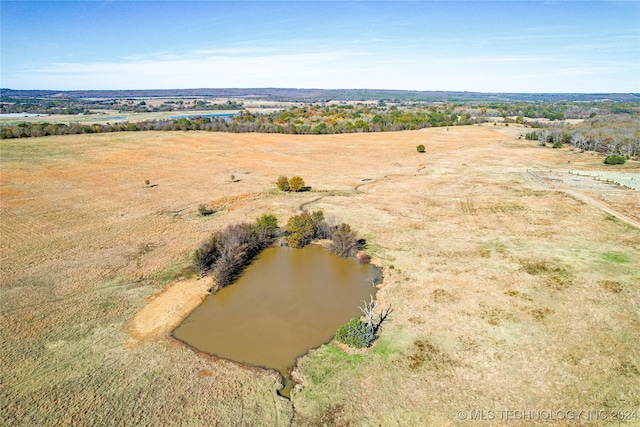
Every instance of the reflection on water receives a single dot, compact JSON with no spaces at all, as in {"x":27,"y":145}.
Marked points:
{"x":287,"y":302}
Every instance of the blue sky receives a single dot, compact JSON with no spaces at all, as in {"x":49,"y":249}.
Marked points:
{"x":499,"y":46}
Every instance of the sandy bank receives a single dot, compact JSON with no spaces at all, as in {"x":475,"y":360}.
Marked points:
{"x":167,"y":309}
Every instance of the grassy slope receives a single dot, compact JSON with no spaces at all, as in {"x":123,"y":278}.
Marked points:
{"x":505,"y":295}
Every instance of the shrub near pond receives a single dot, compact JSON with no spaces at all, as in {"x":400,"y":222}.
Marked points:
{"x":355,"y":334}
{"x":303,"y":228}
{"x":344,"y":242}
{"x":300,"y":230}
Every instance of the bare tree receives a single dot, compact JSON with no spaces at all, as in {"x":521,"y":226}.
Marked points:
{"x":369,"y":312}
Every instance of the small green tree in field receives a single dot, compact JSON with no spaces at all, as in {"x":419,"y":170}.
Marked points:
{"x":296,"y":183}
{"x":420,"y":148}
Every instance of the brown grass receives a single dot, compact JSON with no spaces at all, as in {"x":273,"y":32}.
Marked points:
{"x":522,"y":297}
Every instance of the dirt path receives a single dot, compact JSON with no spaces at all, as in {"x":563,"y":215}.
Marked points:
{"x":597,"y":203}
{"x":167,"y":309}
{"x":583,"y":198}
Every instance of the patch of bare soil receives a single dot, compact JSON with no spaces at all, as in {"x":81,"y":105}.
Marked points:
{"x":167,"y":309}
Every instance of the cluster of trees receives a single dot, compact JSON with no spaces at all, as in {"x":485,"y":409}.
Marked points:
{"x":555,"y":110}
{"x":227,"y":252}
{"x":26,"y":130}
{"x":328,"y":118}
{"x":612,"y":135}
{"x":295,"y":183}
{"x":333,"y":119}
{"x":304,"y":120}
{"x":303,"y":228}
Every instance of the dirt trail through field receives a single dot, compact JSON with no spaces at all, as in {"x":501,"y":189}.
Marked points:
{"x":583,"y":198}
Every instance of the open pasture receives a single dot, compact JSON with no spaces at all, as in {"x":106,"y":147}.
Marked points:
{"x":506,"y":294}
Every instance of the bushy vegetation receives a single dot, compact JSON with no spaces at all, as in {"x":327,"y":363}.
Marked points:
{"x":301,"y":229}
{"x":282,"y":183}
{"x":344,"y":241}
{"x":615,"y":160}
{"x":227,"y":252}
{"x":268,"y":224}
{"x":296,"y":183}
{"x":420,"y":148}
{"x":355,"y":334}
{"x":363,"y":258}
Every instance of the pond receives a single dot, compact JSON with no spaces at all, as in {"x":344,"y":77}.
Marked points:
{"x":206,"y":116}
{"x":286,"y":302}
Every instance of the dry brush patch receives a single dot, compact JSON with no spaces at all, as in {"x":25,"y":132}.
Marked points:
{"x":85,"y":244}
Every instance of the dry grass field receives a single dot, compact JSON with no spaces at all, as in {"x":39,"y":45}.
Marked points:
{"x":509,"y":292}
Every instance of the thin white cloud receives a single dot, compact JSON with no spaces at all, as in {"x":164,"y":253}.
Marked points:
{"x":250,"y":66}
{"x":212,"y":69}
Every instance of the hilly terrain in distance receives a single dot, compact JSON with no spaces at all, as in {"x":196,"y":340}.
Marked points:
{"x":318,"y":95}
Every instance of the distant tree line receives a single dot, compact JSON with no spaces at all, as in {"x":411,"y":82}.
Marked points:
{"x":43,"y":106}
{"x":136,"y":106}
{"x":337,"y":118}
{"x":306,"y":120}
{"x":74,"y":106}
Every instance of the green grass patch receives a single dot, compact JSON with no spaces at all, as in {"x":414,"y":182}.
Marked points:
{"x":176,"y":270}
{"x":383,"y":349}
{"x":616,"y":257}
{"x":328,"y":360}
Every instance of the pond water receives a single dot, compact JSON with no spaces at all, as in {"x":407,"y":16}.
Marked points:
{"x":286,"y":302}
{"x":209,"y":116}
